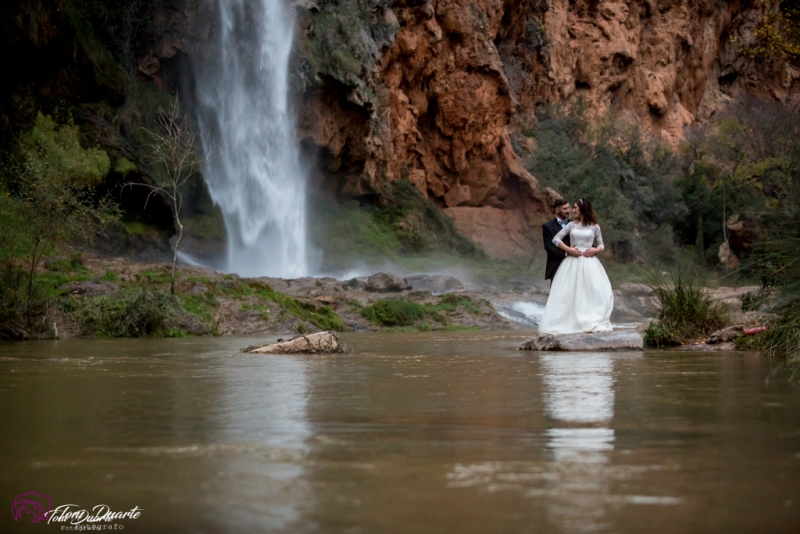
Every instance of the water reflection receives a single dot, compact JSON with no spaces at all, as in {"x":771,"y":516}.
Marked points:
{"x":263,"y":418}
{"x":578,"y":391}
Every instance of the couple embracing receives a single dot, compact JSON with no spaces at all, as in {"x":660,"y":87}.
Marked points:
{"x":581,"y":299}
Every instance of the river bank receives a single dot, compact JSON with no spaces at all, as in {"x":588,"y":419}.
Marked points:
{"x":90,"y":297}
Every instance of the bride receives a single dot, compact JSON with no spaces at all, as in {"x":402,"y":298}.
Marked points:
{"x":581,"y":299}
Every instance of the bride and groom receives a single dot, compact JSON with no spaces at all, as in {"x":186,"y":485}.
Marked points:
{"x":581,"y":298}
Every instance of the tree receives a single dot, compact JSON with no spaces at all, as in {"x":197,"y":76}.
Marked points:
{"x":175,"y":153}
{"x":51,"y":199}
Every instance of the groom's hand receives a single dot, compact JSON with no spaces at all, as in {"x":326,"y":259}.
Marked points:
{"x":591,"y":252}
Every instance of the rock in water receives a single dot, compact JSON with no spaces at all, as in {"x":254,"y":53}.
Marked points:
{"x":318,"y":343}
{"x":603,"y":341}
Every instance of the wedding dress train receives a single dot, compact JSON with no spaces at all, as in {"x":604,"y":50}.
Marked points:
{"x":581,"y":298}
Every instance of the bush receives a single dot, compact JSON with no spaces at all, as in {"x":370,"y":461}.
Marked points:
{"x":139,"y":314}
{"x":394,"y":312}
{"x":778,"y":264}
{"x":684,"y":310}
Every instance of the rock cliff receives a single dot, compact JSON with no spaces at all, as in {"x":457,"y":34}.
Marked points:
{"x":452,"y":82}
{"x":440,"y":92}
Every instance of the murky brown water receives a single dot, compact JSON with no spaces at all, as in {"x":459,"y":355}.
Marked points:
{"x":412,"y":433}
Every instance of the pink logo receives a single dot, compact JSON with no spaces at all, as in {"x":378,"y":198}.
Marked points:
{"x":34,"y":504}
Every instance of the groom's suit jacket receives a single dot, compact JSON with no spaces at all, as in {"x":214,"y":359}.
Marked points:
{"x":554,"y":254}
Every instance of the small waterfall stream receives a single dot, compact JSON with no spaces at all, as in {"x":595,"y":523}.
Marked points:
{"x":243,"y":109}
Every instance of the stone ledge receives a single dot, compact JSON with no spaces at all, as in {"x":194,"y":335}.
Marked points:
{"x":617,"y":340}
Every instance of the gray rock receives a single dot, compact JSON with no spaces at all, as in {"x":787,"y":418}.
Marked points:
{"x":436,"y":283}
{"x":354,"y":283}
{"x":726,"y":334}
{"x":617,"y":340}
{"x":385,"y":283}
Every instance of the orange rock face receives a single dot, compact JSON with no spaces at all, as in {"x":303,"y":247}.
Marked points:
{"x":463,"y":77}
{"x":446,"y":88}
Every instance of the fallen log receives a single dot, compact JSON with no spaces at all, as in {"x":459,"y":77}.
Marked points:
{"x":317,"y":343}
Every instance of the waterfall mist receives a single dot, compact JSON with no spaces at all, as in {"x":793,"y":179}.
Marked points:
{"x":243,"y":109}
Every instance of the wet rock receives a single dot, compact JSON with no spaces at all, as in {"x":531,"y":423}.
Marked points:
{"x":618,"y":340}
{"x":436,"y":283}
{"x":317,"y":343}
{"x":385,"y":283}
{"x":726,"y":334}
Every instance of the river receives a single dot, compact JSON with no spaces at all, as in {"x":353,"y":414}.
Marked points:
{"x":411,"y":432}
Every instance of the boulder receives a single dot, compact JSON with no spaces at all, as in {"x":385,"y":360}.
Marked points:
{"x":726,"y":334}
{"x":317,"y":343}
{"x":618,"y":340}
{"x":385,"y":283}
{"x":436,"y":283}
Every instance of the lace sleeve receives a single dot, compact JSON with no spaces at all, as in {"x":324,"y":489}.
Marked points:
{"x":562,"y":234}
{"x":599,"y":237}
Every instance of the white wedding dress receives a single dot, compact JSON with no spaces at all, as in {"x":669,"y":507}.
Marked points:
{"x":581,"y":299}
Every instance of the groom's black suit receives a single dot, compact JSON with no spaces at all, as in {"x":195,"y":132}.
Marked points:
{"x":554,"y":254}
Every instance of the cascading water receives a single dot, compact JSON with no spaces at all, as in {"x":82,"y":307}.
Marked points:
{"x":243,"y":110}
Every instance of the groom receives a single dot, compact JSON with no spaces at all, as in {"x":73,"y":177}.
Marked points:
{"x":549,"y":230}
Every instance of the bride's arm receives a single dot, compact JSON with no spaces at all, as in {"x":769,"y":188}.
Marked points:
{"x":598,"y":235}
{"x":557,"y":241}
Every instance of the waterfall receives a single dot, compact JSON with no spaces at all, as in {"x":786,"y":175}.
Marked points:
{"x":243,"y":109}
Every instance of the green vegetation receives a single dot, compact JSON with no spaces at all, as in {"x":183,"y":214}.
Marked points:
{"x":48,"y":197}
{"x":631,"y":180}
{"x":137,"y":314}
{"x":323,"y":317}
{"x":394,"y":312}
{"x":777,"y":262}
{"x":778,"y":33}
{"x":684,"y":311}
{"x":110,"y":276}
{"x":404,"y":313}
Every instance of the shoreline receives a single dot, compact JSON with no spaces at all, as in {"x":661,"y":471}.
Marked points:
{"x":213,"y":303}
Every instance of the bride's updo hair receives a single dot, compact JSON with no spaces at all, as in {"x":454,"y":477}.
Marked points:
{"x":588,"y":217}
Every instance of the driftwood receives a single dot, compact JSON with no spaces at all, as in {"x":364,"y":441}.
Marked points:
{"x":317,"y":343}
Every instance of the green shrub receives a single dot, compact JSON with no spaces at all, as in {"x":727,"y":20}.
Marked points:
{"x":201,"y":305}
{"x":74,"y":263}
{"x":778,"y":263}
{"x":684,"y":310}
{"x":138,"y":314}
{"x":753,"y":300}
{"x":110,"y":276}
{"x":154,"y":277}
{"x":394,"y":312}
